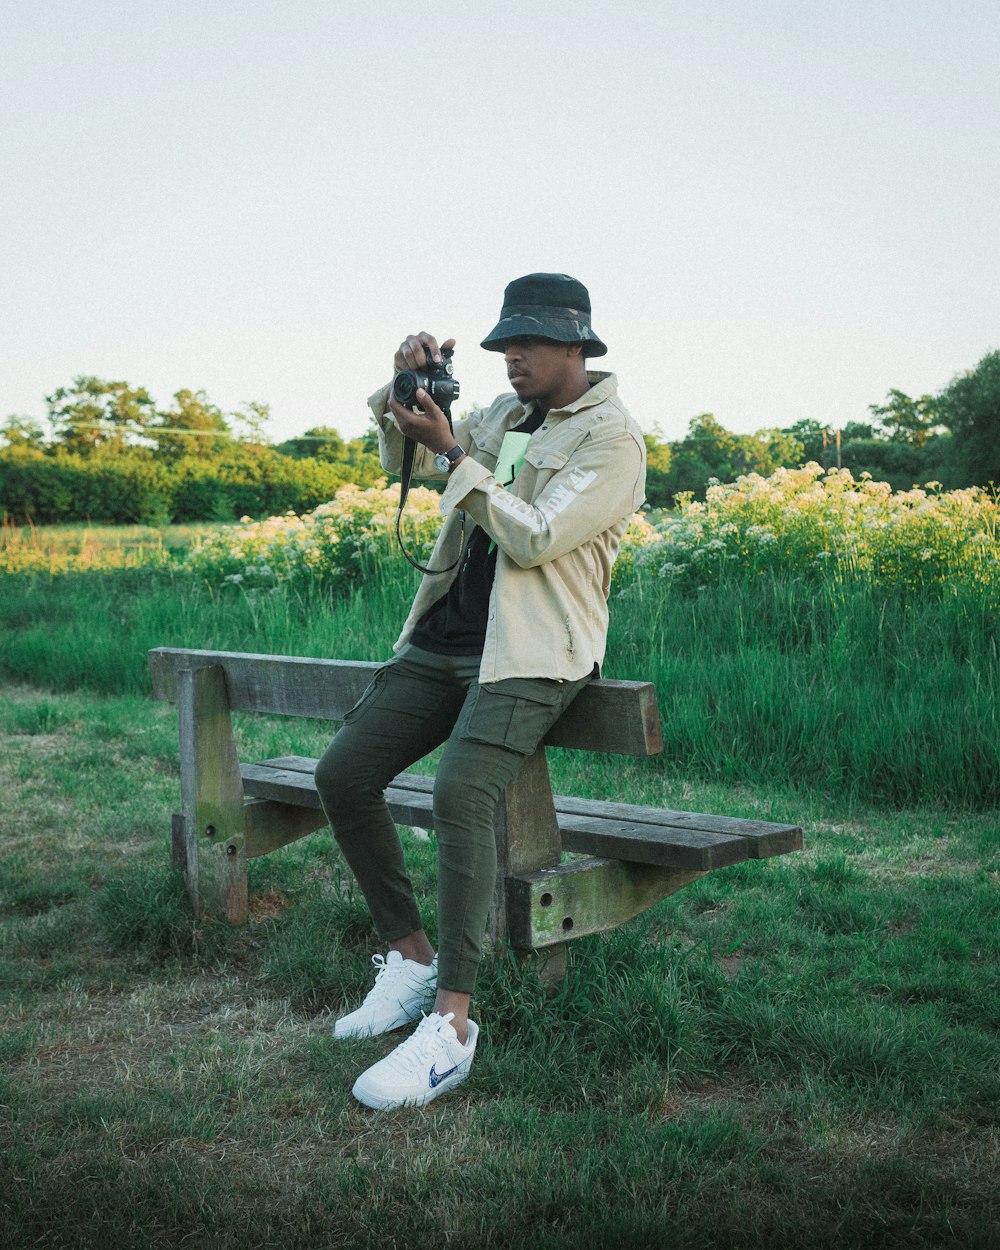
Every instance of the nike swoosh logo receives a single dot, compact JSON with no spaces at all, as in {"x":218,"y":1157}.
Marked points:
{"x":435,"y":1078}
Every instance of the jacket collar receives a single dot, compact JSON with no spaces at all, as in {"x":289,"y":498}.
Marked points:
{"x":602,"y":387}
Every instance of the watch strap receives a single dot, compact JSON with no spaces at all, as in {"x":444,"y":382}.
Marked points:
{"x":445,"y":459}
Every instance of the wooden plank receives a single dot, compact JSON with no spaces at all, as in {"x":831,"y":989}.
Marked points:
{"x":617,"y":717}
{"x":296,"y":788}
{"x":764,"y":838}
{"x":211,"y":797}
{"x":287,"y":685}
{"x":282,"y":785}
{"x":623,"y":714}
{"x":527,"y":837}
{"x":589,"y":896}
{"x":410,"y":800}
{"x":178,"y":843}
{"x":300,"y":764}
{"x":271,"y":825}
{"x":411,"y":807}
{"x":647,"y":844}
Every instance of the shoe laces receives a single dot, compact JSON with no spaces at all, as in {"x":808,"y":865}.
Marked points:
{"x":386,"y":975}
{"x":422,"y":1042}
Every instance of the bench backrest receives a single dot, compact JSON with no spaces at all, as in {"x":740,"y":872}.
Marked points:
{"x":619,"y":717}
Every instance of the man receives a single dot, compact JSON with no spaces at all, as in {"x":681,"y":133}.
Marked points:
{"x":495,"y":647}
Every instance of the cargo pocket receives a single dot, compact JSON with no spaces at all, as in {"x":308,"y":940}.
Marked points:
{"x":371,"y":693}
{"x":515,"y":714}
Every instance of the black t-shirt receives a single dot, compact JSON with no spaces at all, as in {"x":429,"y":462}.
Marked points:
{"x":456,"y":623}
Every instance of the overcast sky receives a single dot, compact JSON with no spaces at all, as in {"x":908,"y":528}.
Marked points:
{"x":782,"y":209}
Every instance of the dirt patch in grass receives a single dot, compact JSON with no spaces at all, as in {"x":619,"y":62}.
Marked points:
{"x":267,"y":904}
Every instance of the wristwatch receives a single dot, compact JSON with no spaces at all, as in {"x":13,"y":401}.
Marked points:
{"x":445,"y":459}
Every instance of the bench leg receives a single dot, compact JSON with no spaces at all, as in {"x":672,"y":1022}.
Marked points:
{"x":527,"y":834}
{"x":211,"y":798}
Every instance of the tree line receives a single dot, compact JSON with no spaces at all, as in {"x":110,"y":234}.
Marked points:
{"x":952,"y":437}
{"x":110,"y":454}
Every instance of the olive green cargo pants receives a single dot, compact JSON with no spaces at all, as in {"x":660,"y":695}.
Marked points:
{"x":416,"y":702}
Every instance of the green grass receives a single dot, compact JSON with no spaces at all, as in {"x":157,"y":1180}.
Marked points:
{"x":882,"y":695}
{"x":88,"y":548}
{"x":886,"y":697}
{"x":797,"y":1052}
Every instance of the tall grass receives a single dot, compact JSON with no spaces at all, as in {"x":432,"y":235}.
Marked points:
{"x":802,"y":629}
{"x":848,"y":689}
{"x":843,"y":688}
{"x":93,"y":630}
{"x":83,"y":548}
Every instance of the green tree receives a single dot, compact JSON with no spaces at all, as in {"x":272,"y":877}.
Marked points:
{"x":193,"y":427}
{"x":899,"y":463}
{"x":908,"y":420}
{"x":658,"y":458}
{"x":322,"y":442}
{"x":251,"y":418}
{"x":766,"y":450}
{"x":814,"y":436}
{"x":23,"y":434}
{"x":94,"y":416}
{"x":368,"y":442}
{"x":970,"y":406}
{"x":707,"y":450}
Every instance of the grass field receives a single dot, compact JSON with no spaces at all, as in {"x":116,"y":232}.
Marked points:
{"x":61,"y":548}
{"x":798,"y":1052}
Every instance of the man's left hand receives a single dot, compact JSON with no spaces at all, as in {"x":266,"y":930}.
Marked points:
{"x":429,"y":427}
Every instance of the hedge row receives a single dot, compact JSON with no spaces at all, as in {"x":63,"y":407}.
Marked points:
{"x":127,"y":489}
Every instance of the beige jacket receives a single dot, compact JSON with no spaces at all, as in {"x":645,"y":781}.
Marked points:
{"x":557,"y":528}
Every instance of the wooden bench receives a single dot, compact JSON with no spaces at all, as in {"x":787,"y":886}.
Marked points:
{"x":630,"y":856}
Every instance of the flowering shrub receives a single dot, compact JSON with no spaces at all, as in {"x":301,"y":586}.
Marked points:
{"x":824,"y":526}
{"x":640,"y":532}
{"x":341,"y":540}
{"x":828,"y":525}
{"x":333,"y":545}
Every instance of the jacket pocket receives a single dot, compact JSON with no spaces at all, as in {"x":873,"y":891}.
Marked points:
{"x":542,"y":458}
{"x":515,"y":714}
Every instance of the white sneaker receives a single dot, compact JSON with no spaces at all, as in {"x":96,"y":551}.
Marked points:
{"x":430,"y":1062}
{"x":402,"y":989}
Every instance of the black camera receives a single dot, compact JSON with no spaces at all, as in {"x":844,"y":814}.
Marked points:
{"x":436,"y":379}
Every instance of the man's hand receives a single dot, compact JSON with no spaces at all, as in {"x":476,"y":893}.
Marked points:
{"x":417,"y":350}
{"x":429,"y":427}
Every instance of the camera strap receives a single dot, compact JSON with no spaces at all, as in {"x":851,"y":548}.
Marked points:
{"x":406,"y":472}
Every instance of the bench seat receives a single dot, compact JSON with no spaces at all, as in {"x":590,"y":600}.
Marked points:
{"x":566,"y":866}
{"x":640,"y":835}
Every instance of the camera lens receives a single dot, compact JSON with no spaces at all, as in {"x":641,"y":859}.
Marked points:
{"x":404,"y":387}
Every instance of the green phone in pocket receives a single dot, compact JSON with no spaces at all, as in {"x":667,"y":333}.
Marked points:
{"x":511,"y":457}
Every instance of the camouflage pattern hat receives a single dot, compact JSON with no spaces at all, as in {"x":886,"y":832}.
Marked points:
{"x":549,"y":305}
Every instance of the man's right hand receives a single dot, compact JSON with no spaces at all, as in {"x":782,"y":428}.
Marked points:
{"x":418,"y":350}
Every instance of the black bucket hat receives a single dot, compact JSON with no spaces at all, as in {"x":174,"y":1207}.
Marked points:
{"x":549,"y":305}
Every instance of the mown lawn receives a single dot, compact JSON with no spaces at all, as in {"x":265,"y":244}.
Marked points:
{"x":801,"y":1051}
